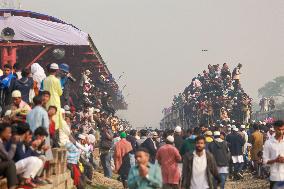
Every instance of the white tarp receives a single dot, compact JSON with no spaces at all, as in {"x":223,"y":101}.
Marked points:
{"x":43,"y":31}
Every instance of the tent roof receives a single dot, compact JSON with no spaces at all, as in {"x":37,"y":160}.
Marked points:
{"x":39,"y":28}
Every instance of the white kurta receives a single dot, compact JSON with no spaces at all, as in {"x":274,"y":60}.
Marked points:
{"x":199,"y":178}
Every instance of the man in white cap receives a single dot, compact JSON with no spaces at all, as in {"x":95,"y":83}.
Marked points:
{"x":52,"y":84}
{"x":168,"y":157}
{"x":19,"y":108}
{"x":178,"y":137}
{"x":236,"y":143}
{"x":220,"y":151}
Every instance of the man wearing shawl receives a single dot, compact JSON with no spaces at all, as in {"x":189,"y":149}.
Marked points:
{"x":121,"y":158}
{"x":52,"y":84}
{"x":38,"y":76}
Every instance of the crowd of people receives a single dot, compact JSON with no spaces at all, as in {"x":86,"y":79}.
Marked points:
{"x":215,"y":97}
{"x":267,"y":104}
{"x":201,"y":157}
{"x":38,"y":114}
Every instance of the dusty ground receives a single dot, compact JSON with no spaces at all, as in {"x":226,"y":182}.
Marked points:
{"x":101,"y":182}
{"x":249,"y":182}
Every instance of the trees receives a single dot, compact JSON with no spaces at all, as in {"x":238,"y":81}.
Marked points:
{"x":272,"y":88}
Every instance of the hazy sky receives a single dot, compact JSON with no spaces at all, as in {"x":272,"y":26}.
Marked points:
{"x":158,"y":43}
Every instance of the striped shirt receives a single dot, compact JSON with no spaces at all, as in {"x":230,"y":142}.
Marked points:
{"x":73,"y":153}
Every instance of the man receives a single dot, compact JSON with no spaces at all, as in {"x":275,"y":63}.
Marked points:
{"x":17,"y":70}
{"x":244,"y":134}
{"x":38,"y":116}
{"x":121,"y":158}
{"x":28,"y":165}
{"x":7,"y":165}
{"x":65,"y":78}
{"x":273,"y":155}
{"x":152,"y":145}
{"x":105,"y":146}
{"x":189,"y":143}
{"x":131,"y":138}
{"x":45,"y":95}
{"x":52,"y":84}
{"x":199,"y":168}
{"x":236,"y":143}
{"x":7,"y":83}
{"x":257,"y":146}
{"x":143,"y":137}
{"x":271,"y":133}
{"x":25,"y":84}
{"x":178,"y":137}
{"x":19,"y":108}
{"x":144,"y":175}
{"x":168,"y":157}
{"x":220,"y":151}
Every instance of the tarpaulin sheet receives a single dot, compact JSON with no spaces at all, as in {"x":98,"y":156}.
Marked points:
{"x":43,"y":31}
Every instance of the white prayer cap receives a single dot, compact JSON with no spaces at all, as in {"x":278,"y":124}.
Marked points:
{"x":178,"y":129}
{"x":171,"y":139}
{"x":54,"y":66}
{"x":16,"y":94}
{"x":217,"y":133}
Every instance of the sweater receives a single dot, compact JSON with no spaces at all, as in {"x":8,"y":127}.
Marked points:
{"x":220,"y":151}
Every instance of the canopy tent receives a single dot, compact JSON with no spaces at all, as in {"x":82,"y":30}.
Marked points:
{"x":43,"y":31}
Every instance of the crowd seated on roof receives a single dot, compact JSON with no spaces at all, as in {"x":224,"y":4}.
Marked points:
{"x":215,"y":96}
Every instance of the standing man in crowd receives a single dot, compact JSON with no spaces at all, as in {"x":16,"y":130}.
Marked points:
{"x":236,"y":143}
{"x":143,"y":137}
{"x":178,"y":137}
{"x":105,"y":146}
{"x":25,"y":84}
{"x":152,"y":145}
{"x":220,"y":151}
{"x":131,"y":138}
{"x":52,"y":84}
{"x":257,"y":146}
{"x":144,"y":175}
{"x":65,"y":80}
{"x":122,"y":159}
{"x":273,"y":155}
{"x":199,"y":168}
{"x":168,"y":157}
{"x":7,"y":83}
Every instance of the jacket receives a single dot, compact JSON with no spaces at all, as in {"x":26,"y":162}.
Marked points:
{"x":149,"y":144}
{"x":220,"y":151}
{"x":24,"y":151}
{"x":187,"y":146}
{"x":236,"y":143}
{"x":211,"y":170}
{"x":178,"y":141}
{"x":25,"y":85}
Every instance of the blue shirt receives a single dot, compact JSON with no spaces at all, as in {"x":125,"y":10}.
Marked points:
{"x":153,"y":180}
{"x":38,"y":117}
